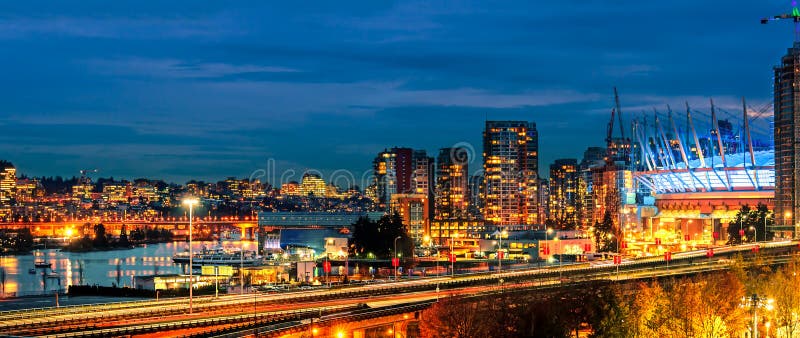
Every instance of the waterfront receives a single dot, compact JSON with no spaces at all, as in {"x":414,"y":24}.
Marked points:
{"x":118,"y":267}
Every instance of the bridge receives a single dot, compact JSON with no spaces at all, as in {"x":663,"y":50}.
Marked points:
{"x":179,"y":227}
{"x":354,"y":311}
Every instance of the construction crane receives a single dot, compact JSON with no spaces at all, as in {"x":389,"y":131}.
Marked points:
{"x":616,"y":149}
{"x":794,"y":16}
{"x":84,"y":172}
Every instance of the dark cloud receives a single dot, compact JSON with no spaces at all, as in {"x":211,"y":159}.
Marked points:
{"x":209,"y":89}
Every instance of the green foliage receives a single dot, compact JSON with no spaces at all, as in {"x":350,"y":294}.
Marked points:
{"x":754,"y":222}
{"x":123,"y":237}
{"x":378,"y":237}
{"x":605,"y":236}
{"x":100,"y":240}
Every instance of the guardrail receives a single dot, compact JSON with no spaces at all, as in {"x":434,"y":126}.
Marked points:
{"x":550,"y":275}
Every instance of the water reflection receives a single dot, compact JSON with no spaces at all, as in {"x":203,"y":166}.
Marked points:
{"x":104,"y":268}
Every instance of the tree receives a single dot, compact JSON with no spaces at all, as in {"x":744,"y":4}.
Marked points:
{"x":123,"y":237}
{"x":378,"y":237}
{"x":755,"y":224}
{"x":782,"y":287}
{"x":741,"y":222}
{"x":762,"y":219}
{"x":100,"y":239}
{"x":455,"y":318}
{"x":604,"y":234}
{"x":24,"y":240}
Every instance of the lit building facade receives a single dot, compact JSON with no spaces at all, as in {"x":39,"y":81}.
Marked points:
{"x":117,"y":192}
{"x":544,"y":197}
{"x":312,"y":185}
{"x":787,"y":129}
{"x":385,"y":177}
{"x":402,"y":171}
{"x":593,"y":158}
{"x":443,"y":230}
{"x":290,"y":189}
{"x":413,"y":210}
{"x":452,"y":184}
{"x":29,"y":190}
{"x":511,"y":173}
{"x":563,"y":199}
{"x":8,"y":182}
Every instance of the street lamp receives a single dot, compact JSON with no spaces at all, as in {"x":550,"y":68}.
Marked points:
{"x":547,"y":240}
{"x":452,"y":261}
{"x":560,"y":253}
{"x":755,"y":233}
{"x":191,"y":202}
{"x":395,"y":256}
{"x":500,"y":250}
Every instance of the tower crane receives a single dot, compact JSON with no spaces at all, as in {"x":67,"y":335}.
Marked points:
{"x":84,"y":172}
{"x":794,"y":16}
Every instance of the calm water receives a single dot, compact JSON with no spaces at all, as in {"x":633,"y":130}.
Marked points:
{"x":118,"y":267}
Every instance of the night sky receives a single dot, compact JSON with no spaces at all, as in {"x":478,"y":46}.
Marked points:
{"x":189,"y":89}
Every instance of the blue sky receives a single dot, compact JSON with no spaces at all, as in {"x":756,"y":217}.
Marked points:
{"x":191,"y":89}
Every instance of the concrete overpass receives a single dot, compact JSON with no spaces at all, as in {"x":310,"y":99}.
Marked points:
{"x":352,"y":311}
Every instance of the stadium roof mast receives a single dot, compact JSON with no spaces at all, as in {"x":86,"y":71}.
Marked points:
{"x":680,"y":142}
{"x":794,"y":15}
{"x":754,"y":178}
{"x":696,"y":140}
{"x":715,"y":132}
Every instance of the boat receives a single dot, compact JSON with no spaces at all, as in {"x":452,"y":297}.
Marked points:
{"x":219,"y":256}
{"x":32,"y":271}
{"x":40,"y":263}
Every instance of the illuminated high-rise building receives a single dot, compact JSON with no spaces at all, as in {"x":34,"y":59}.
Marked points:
{"x":452,"y":184}
{"x":544,"y":197}
{"x":423,"y":178}
{"x":563,"y":199}
{"x":413,"y":210}
{"x":787,"y":128}
{"x":422,"y":181}
{"x":593,"y":158}
{"x":385,"y":177}
{"x":401,"y":171}
{"x":511,"y":173}
{"x":8,"y":181}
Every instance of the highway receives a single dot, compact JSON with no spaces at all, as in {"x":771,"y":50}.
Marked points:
{"x":249,"y":311}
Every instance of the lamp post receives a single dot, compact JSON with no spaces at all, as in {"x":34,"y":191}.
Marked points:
{"x":395,"y":256}
{"x":241,"y":261}
{"x":190,"y":202}
{"x":559,"y":257}
{"x":755,"y":234}
{"x":452,"y":261}
{"x":500,"y":250}
{"x":547,"y":240}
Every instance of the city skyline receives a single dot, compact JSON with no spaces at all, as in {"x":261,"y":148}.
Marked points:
{"x":206,"y":92}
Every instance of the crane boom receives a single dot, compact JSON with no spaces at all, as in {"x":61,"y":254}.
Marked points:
{"x":794,"y":16}
{"x":619,"y":114}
